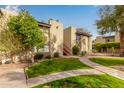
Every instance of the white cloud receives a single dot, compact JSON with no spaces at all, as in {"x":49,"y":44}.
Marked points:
{"x":12,"y":8}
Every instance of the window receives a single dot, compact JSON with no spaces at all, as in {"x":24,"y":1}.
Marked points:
{"x":108,"y":40}
{"x":78,"y":37}
{"x":46,"y":48}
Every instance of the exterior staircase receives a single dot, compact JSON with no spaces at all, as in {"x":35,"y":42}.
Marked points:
{"x":66,"y":50}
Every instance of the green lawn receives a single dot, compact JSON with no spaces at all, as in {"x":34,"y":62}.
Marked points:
{"x":55,"y":65}
{"x":88,"y":81}
{"x":108,"y":61}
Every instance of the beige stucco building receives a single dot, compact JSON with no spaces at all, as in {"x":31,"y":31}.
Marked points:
{"x":77,"y":36}
{"x":62,"y":40}
{"x":107,"y":39}
{"x":56,"y":37}
{"x":53,"y":32}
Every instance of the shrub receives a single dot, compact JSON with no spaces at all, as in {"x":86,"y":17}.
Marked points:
{"x":83,"y":53}
{"x":98,"y":47}
{"x":38,"y":56}
{"x":48,"y":57}
{"x":75,"y":50}
{"x":56,"y":54}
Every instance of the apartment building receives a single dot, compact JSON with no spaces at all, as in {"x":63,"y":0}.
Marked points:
{"x":53,"y":31}
{"x":107,"y":39}
{"x":77,"y":36}
{"x":112,"y":39}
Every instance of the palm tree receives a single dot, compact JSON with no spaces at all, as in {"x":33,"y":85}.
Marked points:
{"x":112,"y":20}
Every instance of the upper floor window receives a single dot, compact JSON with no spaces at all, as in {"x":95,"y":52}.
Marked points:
{"x":108,"y":40}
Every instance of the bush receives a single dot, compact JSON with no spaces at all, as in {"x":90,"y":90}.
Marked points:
{"x":98,"y":47}
{"x":83,"y":53}
{"x":56,"y":54}
{"x":48,"y":57}
{"x":75,"y":50}
{"x":38,"y":56}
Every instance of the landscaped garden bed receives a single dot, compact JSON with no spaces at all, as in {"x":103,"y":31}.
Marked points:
{"x":55,"y":65}
{"x":109,"y":61}
{"x":87,"y":81}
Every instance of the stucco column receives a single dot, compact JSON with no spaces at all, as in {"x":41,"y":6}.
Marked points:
{"x":90,"y":44}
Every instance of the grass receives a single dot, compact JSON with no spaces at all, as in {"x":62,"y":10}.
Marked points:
{"x":88,"y":81}
{"x":55,"y":65}
{"x":108,"y":61}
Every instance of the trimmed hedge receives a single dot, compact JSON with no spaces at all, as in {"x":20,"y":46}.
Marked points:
{"x":107,"y":45}
{"x":75,"y":50}
{"x":38,"y":56}
{"x":56,"y":54}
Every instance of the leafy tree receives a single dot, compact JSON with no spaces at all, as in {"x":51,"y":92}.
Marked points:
{"x":27,"y":30}
{"x":112,"y":20}
{"x":112,"y":46}
{"x":9,"y":42}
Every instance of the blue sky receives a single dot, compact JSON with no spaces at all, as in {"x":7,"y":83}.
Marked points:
{"x":83,"y":16}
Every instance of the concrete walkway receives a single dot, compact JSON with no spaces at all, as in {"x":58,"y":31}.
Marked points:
{"x":12,"y":76}
{"x":60,"y":75}
{"x":108,"y":70}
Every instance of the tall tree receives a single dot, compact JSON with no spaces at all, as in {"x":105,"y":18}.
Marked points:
{"x":9,"y":42}
{"x":112,"y":20}
{"x":27,"y":30}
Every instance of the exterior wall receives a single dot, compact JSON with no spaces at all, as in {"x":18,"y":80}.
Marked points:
{"x":112,"y":39}
{"x":73,"y":36}
{"x":102,"y":40}
{"x":45,"y":30}
{"x":109,"y":39}
{"x":67,"y":37}
{"x":90,"y":44}
{"x":86,"y":44}
{"x":56,"y":37}
{"x":70,"y":37}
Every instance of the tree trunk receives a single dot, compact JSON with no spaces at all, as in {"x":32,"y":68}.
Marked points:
{"x":122,"y":43}
{"x":31,"y":54}
{"x":32,"y":59}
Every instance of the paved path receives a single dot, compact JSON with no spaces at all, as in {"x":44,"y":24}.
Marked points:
{"x":108,"y":70}
{"x":12,"y":76}
{"x":60,"y":75}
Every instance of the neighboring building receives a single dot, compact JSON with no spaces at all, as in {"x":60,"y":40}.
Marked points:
{"x":107,"y":39}
{"x":62,"y":40}
{"x":56,"y":37}
{"x":80,"y":37}
{"x":113,"y":39}
{"x":53,"y":31}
